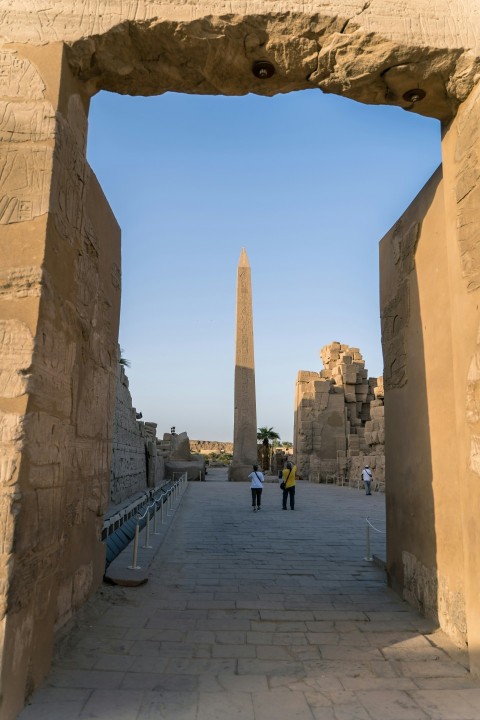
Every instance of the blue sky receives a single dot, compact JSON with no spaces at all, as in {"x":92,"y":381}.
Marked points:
{"x":307,"y":182}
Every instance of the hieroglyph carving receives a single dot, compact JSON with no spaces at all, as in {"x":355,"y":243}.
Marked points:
{"x":10,"y":436}
{"x":16,"y":342}
{"x":19,"y":78}
{"x":27,"y":127}
{"x":32,"y":140}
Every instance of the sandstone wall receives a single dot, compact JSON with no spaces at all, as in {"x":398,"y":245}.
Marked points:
{"x":59,"y":310}
{"x":60,"y":260}
{"x":425,"y":545}
{"x":135,"y":463}
{"x":461,"y":164}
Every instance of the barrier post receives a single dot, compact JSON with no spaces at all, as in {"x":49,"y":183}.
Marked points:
{"x":147,"y":531}
{"x":155,"y":531}
{"x":134,"y":565}
{"x":368,"y":554}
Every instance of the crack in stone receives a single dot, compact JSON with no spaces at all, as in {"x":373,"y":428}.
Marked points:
{"x":366,"y":5}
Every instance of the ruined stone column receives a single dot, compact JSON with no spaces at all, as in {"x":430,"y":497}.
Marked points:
{"x":245,"y":417}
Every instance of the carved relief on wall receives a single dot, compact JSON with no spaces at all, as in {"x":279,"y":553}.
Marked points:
{"x":25,"y":118}
{"x":16,"y":342}
{"x":69,"y":182}
{"x":11,"y":433}
{"x":396,"y":311}
{"x":19,"y":78}
{"x":24,"y":183}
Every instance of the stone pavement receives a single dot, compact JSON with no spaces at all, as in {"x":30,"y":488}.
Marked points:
{"x":259,"y":616}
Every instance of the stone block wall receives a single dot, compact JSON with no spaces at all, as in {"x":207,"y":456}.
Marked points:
{"x":135,"y":463}
{"x":339,"y":424}
{"x":425,"y":553}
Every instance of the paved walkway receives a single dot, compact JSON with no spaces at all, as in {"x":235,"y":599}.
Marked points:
{"x":259,"y":616}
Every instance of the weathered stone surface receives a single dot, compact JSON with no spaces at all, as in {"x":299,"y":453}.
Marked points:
{"x":334,"y":436}
{"x":245,"y":413}
{"x":61,"y":275}
{"x":367,"y":51}
{"x":180,"y":449}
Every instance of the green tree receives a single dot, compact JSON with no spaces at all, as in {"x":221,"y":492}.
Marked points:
{"x":123,"y":360}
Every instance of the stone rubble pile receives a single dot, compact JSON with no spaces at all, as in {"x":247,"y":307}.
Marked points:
{"x":339,"y":419}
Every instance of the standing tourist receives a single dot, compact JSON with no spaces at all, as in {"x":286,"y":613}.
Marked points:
{"x":289,"y":478}
{"x":367,"y":479}
{"x":256,"y":487}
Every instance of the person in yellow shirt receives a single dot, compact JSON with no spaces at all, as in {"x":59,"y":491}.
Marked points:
{"x":289,"y":477}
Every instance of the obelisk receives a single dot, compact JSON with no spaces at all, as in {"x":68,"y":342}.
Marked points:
{"x":245,"y":415}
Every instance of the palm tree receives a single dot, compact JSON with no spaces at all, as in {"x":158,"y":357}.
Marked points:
{"x":266,"y":434}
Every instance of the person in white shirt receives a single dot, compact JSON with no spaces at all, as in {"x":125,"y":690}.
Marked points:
{"x":256,"y":487}
{"x":367,"y":479}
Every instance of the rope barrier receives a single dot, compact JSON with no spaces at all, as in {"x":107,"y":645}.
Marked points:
{"x":368,"y":552}
{"x":374,"y":528}
{"x":172,"y":494}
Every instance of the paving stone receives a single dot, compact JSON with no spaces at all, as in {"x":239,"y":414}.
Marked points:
{"x":372,"y":682}
{"x":243,"y":683}
{"x":233,"y":651}
{"x":323,"y":713}
{"x":230,"y":638}
{"x":94,"y":679}
{"x":430,"y":668}
{"x":114,"y":662}
{"x":122,"y":705}
{"x":449,"y":704}
{"x":227,"y":706}
{"x":281,"y":704}
{"x":273,"y":652}
{"x":52,"y":711}
{"x":304,"y":652}
{"x":351,"y":711}
{"x":166,"y":705}
{"x":206,"y":638}
{"x":198,"y":666}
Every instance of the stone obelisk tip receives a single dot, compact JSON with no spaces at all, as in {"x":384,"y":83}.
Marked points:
{"x":243,"y":262}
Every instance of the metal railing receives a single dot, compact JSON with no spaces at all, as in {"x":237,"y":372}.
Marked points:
{"x":166,"y":497}
{"x":368,"y":525}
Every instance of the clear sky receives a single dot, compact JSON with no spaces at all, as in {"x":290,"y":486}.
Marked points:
{"x":308,"y":183}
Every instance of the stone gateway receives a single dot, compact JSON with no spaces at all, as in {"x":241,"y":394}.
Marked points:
{"x":60,"y":278}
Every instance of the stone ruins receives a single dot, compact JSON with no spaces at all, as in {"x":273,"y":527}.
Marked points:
{"x":136,"y":465}
{"x":204,"y":447}
{"x":60,"y":279}
{"x":339,"y":420}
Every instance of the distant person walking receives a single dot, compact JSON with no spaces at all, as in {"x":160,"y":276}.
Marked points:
{"x":367,"y":477}
{"x":289,"y":478}
{"x":256,"y":487}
